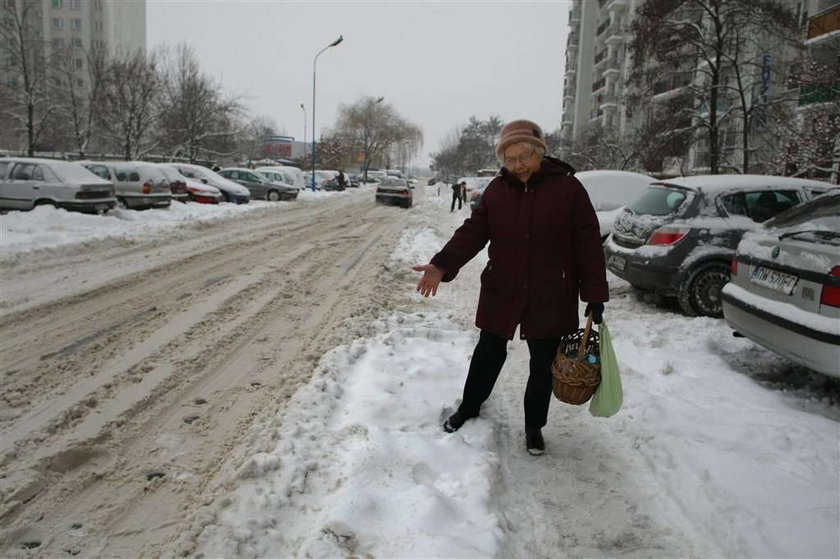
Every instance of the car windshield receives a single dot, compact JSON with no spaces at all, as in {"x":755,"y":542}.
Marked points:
{"x":393,"y":182}
{"x":823,"y":212}
{"x":657,"y":200}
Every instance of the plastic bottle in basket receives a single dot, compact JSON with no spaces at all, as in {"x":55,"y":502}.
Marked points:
{"x":591,"y":358}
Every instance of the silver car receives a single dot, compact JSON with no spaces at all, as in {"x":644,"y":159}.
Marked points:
{"x":784,"y":292}
{"x":28,"y":182}
{"x":261,"y":186}
{"x":138,"y":185}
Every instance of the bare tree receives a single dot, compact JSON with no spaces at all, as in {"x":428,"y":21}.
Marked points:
{"x":194,"y":111}
{"x":472,"y":149}
{"x":26,"y":90}
{"x":251,"y":135}
{"x":81,"y":101}
{"x":375,"y":128}
{"x":130,"y":100}
{"x":703,"y":45}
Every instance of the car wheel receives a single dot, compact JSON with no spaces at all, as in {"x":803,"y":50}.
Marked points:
{"x":700,"y":291}
{"x":272,"y":196}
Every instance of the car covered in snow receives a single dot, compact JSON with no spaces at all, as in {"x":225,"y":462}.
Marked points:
{"x":234,"y":193}
{"x":392,"y":191}
{"x":138,"y":185}
{"x":287,"y":175}
{"x":177,"y":182}
{"x":784,"y":292}
{"x":677,"y":238}
{"x":611,"y":190}
{"x":27,"y":182}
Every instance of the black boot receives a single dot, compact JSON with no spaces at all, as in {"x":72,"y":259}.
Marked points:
{"x":455,"y":421}
{"x":534,"y":441}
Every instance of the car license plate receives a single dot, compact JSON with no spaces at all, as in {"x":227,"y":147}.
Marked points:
{"x":617,"y":262}
{"x":773,"y":279}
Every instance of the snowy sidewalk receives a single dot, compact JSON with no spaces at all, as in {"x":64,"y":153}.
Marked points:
{"x":701,"y":461}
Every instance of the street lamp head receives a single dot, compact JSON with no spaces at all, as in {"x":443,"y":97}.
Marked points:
{"x":380,"y":99}
{"x":340,"y":38}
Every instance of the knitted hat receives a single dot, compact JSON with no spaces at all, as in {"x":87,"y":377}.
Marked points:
{"x":519,"y":131}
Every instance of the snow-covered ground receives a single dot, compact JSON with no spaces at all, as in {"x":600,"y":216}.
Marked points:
{"x":721,"y":448}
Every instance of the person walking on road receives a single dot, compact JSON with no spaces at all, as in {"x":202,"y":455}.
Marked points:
{"x":456,"y":195}
{"x":342,"y":180}
{"x":545,"y":253}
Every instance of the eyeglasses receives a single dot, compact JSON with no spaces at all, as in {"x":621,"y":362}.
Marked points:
{"x":524,"y":158}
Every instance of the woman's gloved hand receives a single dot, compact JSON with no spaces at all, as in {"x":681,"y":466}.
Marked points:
{"x":597,"y":310}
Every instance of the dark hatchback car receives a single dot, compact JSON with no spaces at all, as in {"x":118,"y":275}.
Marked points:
{"x":260,"y":186}
{"x":678,"y":237}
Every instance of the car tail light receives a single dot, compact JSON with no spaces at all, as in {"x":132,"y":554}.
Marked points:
{"x":147,"y":188}
{"x":668,"y":235}
{"x":831,"y":288}
{"x":734,"y":266}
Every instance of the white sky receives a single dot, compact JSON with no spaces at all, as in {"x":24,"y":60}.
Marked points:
{"x":437,"y":63}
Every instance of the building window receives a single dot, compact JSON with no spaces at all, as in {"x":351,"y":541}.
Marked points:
{"x":75,"y":5}
{"x":77,"y":63}
{"x":57,"y":23}
{"x":58,"y":43}
{"x":56,"y":4}
{"x":76,"y":23}
{"x":77,"y":42}
{"x":79,"y":82}
{"x":97,"y":26}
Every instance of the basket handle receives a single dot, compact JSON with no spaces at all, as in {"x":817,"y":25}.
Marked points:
{"x":585,"y":337}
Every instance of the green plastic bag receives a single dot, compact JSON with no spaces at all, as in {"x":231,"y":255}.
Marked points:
{"x":607,"y":399}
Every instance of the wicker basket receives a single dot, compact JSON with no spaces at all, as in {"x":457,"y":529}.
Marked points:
{"x":574,"y":380}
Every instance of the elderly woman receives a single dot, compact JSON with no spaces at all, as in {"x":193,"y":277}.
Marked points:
{"x":545,"y":252}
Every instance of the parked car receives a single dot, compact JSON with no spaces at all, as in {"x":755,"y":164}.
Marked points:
{"x":322,"y":179}
{"x":234,"y":193}
{"x":287,"y":175}
{"x":474,"y":183}
{"x":394,"y":191}
{"x":28,"y":182}
{"x":138,"y":185}
{"x":785,"y":288}
{"x":609,"y":191}
{"x":678,"y":237}
{"x":260,"y":185}
{"x":177,"y":182}
{"x":477,"y":192}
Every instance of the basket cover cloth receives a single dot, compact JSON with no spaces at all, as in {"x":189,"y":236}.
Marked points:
{"x":607,"y":399}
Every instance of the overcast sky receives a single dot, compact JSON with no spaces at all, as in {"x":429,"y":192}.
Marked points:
{"x":437,"y":63}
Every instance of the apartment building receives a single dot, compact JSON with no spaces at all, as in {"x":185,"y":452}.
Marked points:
{"x":598,"y":63}
{"x":77,"y":27}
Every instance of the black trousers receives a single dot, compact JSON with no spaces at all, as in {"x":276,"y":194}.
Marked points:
{"x":455,"y":196}
{"x":487,"y":360}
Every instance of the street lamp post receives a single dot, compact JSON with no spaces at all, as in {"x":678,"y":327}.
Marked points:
{"x":314,"y":63}
{"x":367,"y":117}
{"x":304,"y":129}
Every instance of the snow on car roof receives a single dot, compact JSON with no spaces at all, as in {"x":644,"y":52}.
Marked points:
{"x":711,"y":183}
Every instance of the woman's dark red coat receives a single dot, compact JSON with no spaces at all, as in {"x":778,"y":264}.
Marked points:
{"x":545,"y":252}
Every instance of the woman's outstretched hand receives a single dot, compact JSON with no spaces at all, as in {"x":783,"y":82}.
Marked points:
{"x":428,"y":284}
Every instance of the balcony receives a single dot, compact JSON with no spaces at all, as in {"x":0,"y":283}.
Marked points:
{"x":574,"y":16}
{"x":600,"y":84}
{"x":616,"y":33}
{"x":612,"y":67}
{"x":824,"y":23}
{"x":599,"y":57}
{"x":572,"y":40}
{"x":819,"y":93}
{"x":603,"y":27}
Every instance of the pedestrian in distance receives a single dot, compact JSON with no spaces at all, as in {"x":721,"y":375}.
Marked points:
{"x":545,"y":253}
{"x":342,"y":180}
{"x":463,"y":193}
{"x":457,"y":188}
